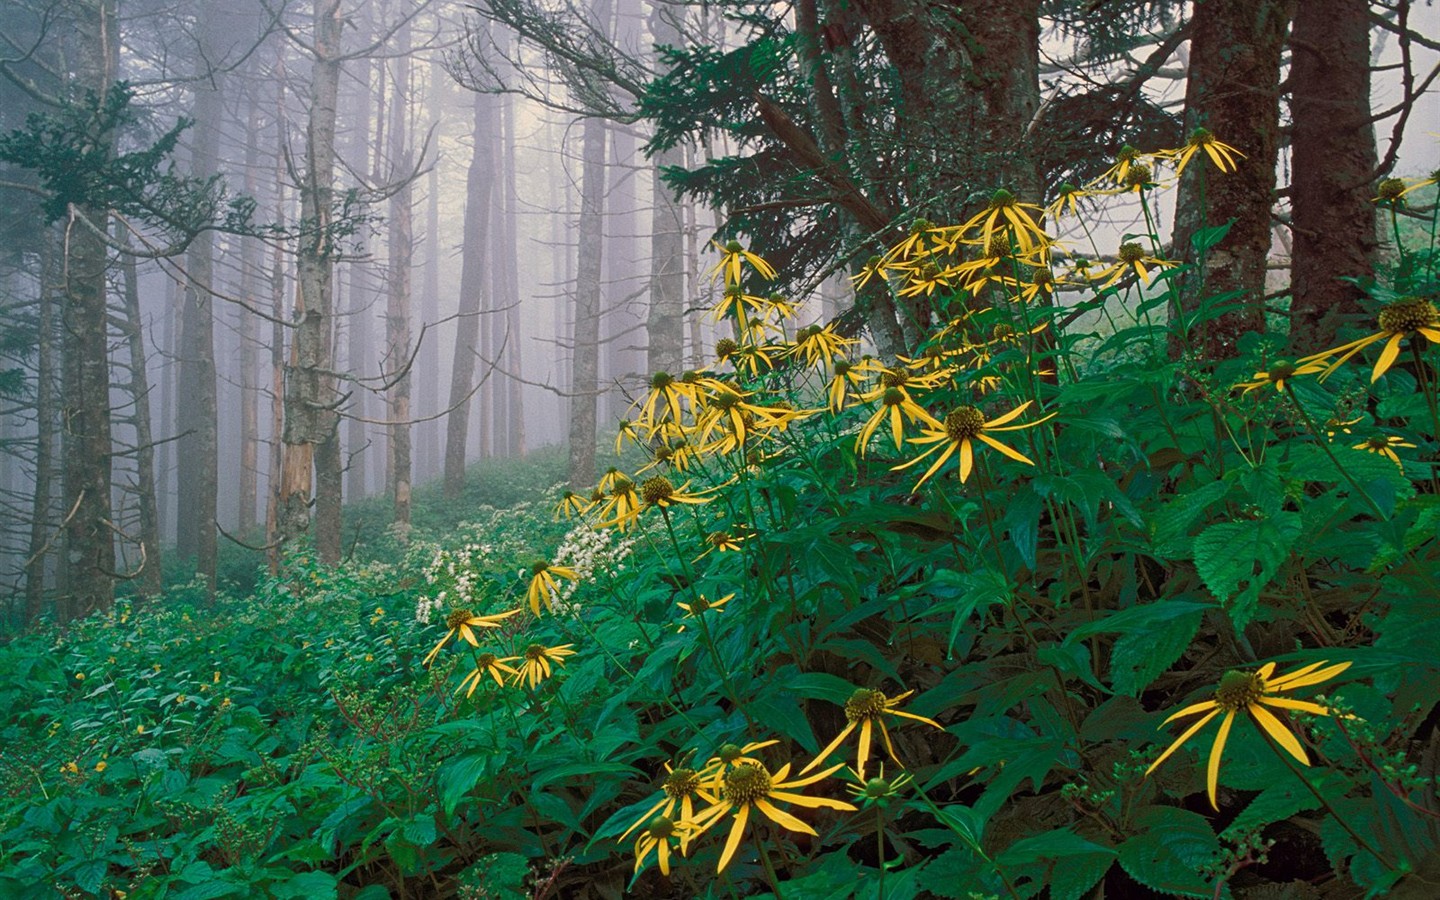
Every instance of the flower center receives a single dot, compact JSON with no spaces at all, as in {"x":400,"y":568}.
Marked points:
{"x":1138,"y":174}
{"x":458,"y":617}
{"x":999,"y":246}
{"x":1043,"y":277}
{"x":699,"y":605}
{"x":746,"y":783}
{"x":1239,"y":690}
{"x":842,"y":368}
{"x":535,"y":652}
{"x":1200,"y":137}
{"x":728,"y":753}
{"x":622,"y":486}
{"x":891,"y":378}
{"x":1377,"y":442}
{"x":964,"y":423}
{"x":719,"y":538}
{"x":1131,"y":252}
{"x":893,"y":397}
{"x":681,"y":783}
{"x":486,"y":660}
{"x":1127,"y":154}
{"x":656,"y":490}
{"x":733,"y":247}
{"x":1280,"y":371}
{"x":1408,"y":314}
{"x":725,"y":400}
{"x":876,"y":789}
{"x":539,"y":567}
{"x":1391,"y":188}
{"x":725,"y":348}
{"x":661,"y":380}
{"x":1001,"y":199}
{"x":660,"y":828}
{"x":864,"y":704}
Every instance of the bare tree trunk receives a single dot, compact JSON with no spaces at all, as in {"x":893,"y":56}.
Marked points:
{"x":245,"y":325}
{"x":310,"y":417}
{"x":430,"y":396}
{"x":151,"y":574}
{"x":89,"y":572}
{"x":274,"y":490}
{"x":478,"y":187}
{"x":507,"y":262}
{"x":1233,"y":90}
{"x":1333,"y":156}
{"x":44,"y":435}
{"x":585,"y":346}
{"x":397,"y":313}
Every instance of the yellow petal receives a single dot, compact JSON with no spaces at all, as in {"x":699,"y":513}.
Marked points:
{"x":967,"y":460}
{"x":1302,"y":678}
{"x":781,"y":817}
{"x":737,"y":830}
{"x":1008,"y":416}
{"x":1212,"y":768}
{"x":1180,"y":741}
{"x":1298,"y":705}
{"x":1387,"y":357}
{"x":824,"y":754}
{"x":1190,"y":711}
{"x":1277,"y":730}
{"x":1008,"y":451}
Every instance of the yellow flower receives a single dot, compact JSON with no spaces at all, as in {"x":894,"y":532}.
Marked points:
{"x":865,"y":709}
{"x":843,"y":382}
{"x":679,"y":789}
{"x":1120,"y":170}
{"x":1066,"y":198}
{"x":726,"y":757}
{"x":462,"y":622}
{"x":750,"y":786}
{"x":700,"y":605}
{"x":660,"y":491}
{"x":623,"y":432}
{"x":623,"y":506}
{"x":896,"y":405}
{"x":962,"y":425}
{"x":488,"y":664}
{"x":101,"y":766}
{"x":571,"y":504}
{"x":79,"y":676}
{"x":70,"y":768}
{"x":721,"y":542}
{"x":1131,"y":256}
{"x":819,"y":344}
{"x":1384,"y":446}
{"x":1433,"y":178}
{"x":732,"y":256}
{"x":543,"y":585}
{"x":736,"y":302}
{"x":658,"y":834}
{"x":1279,"y":374}
{"x":1390,"y":191}
{"x":538,"y":658}
{"x":1009,"y":214}
{"x":1221,"y":154}
{"x":1404,"y":318}
{"x":1252,"y":692}
{"x":665,"y":396}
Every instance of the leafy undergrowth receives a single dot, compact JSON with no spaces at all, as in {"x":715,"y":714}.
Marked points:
{"x":1007,"y":620}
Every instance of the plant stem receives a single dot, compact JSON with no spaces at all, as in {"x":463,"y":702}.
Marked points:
{"x":769,"y":866}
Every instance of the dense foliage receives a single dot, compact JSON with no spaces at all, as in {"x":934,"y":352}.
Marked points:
{"x":849,"y":628}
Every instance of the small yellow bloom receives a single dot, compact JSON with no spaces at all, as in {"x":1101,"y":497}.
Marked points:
{"x":896,"y":407}
{"x":963,"y":425}
{"x":1385,"y":446}
{"x":1131,"y":256}
{"x":1221,"y":154}
{"x":732,"y":257}
{"x":680,"y":789}
{"x":488,"y":664}
{"x":79,"y":676}
{"x":543,"y":585}
{"x":1279,"y":374}
{"x":538,"y":658}
{"x":101,"y":766}
{"x":463,"y":622}
{"x":865,"y":709}
{"x":700,"y":605}
{"x":1254,"y":693}
{"x":750,"y":786}
{"x":1405,"y":318}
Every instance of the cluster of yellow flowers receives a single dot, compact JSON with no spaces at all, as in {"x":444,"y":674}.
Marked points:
{"x":534,"y":661}
{"x":735,"y":783}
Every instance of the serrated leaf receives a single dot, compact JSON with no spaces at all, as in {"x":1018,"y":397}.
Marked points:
{"x":1236,"y":560}
{"x":1139,"y":657}
{"x":1169,"y":849}
{"x":1170,"y":525}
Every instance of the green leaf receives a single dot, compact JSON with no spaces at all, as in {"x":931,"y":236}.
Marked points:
{"x":306,"y":886}
{"x":1170,"y":525}
{"x":458,"y":776}
{"x":1206,"y":238}
{"x":1237,"y":560}
{"x":1169,"y":849}
{"x":1141,"y":656}
{"x":820,"y":686}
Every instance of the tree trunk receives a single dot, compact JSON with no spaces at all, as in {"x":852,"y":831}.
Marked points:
{"x":1333,"y":156}
{"x":89,"y":567}
{"x":150,"y":577}
{"x":585,"y":345}
{"x":1233,"y":90}
{"x":507,"y":293}
{"x":478,"y":186}
{"x":250,"y":263}
{"x":310,"y":417}
{"x":40,"y":536}
{"x":397,"y":311}
{"x":197,"y":447}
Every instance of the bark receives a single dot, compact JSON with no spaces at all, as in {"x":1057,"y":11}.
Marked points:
{"x":585,"y":345}
{"x":479,"y":185}
{"x":197,"y":448}
{"x":507,"y":262}
{"x":274,"y":490}
{"x":150,"y":577}
{"x":397,"y":311}
{"x":89,"y":549}
{"x":359,"y":283}
{"x":1333,"y":156}
{"x":40,"y":535}
{"x":250,"y":263}
{"x":310,"y":417}
{"x":1233,"y":90}
{"x":430,"y":395}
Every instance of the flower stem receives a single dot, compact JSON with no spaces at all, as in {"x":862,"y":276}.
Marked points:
{"x":769,"y":866}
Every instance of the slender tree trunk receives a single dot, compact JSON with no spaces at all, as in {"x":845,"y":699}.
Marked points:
{"x":40,"y":535}
{"x":150,"y":577}
{"x":89,"y":572}
{"x":478,"y":187}
{"x":585,"y":346}
{"x":250,"y":263}
{"x":507,"y":262}
{"x":310,"y":419}
{"x":198,"y":447}
{"x":274,"y":489}
{"x":1333,"y":156}
{"x":397,"y":313}
{"x":1233,"y":90}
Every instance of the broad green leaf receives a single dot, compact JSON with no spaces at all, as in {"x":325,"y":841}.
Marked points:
{"x":1169,"y":848}
{"x":1237,"y":560}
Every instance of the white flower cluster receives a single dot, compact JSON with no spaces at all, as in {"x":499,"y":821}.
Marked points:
{"x":589,"y":550}
{"x":456,"y":572}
